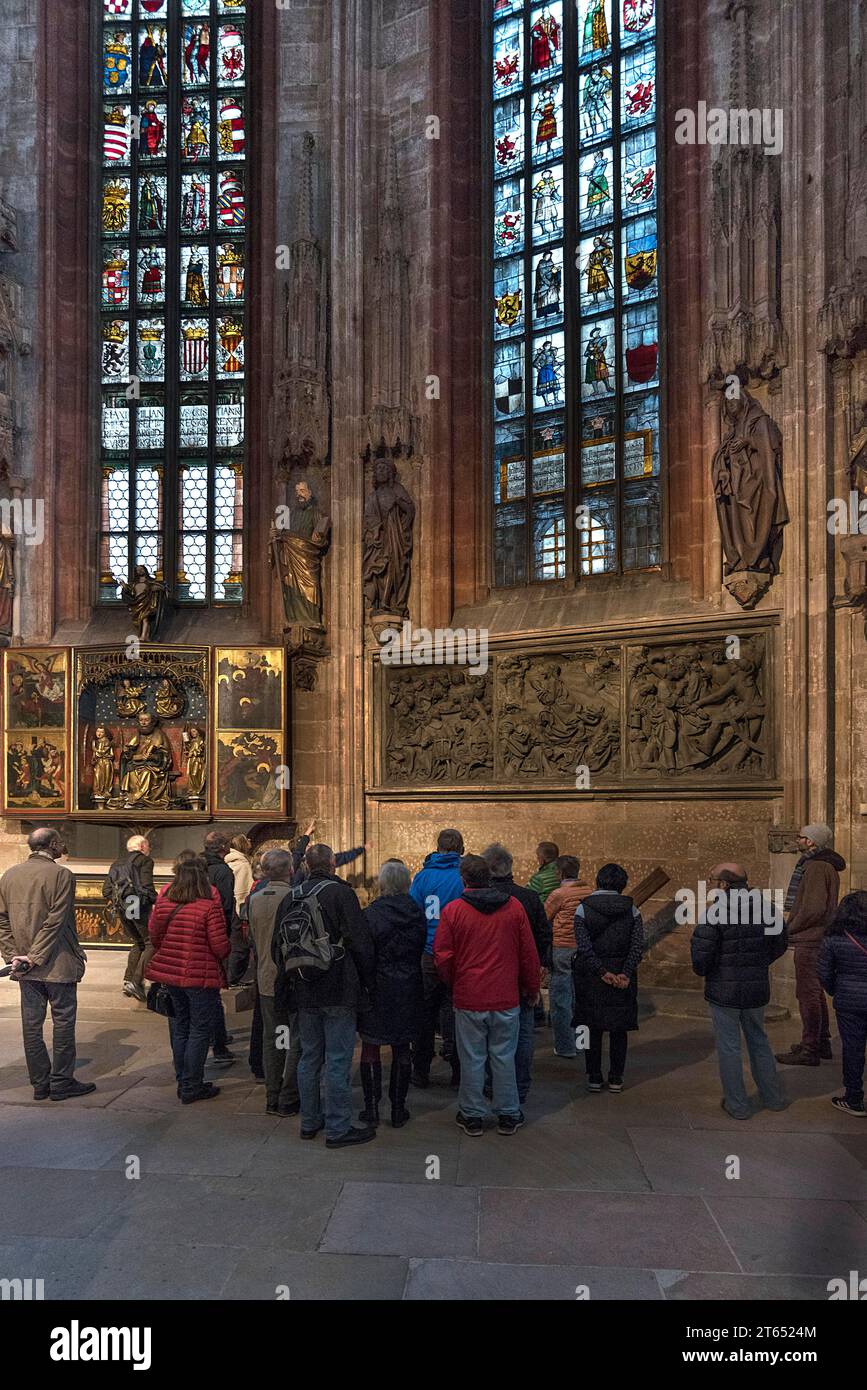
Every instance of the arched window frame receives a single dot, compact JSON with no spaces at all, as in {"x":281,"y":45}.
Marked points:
{"x":177,"y":507}
{"x":635,"y":542}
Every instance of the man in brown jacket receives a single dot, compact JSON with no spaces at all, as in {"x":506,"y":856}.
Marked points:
{"x":811,"y":902}
{"x":37,"y":932}
{"x":560,"y":909}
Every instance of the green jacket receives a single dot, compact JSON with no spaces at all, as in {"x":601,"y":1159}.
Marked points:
{"x":545,"y":880}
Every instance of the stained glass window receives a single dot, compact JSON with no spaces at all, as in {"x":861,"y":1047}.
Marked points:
{"x":173,"y":295}
{"x":575,"y":357}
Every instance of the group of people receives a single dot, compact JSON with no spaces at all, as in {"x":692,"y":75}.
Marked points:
{"x":460,"y":950}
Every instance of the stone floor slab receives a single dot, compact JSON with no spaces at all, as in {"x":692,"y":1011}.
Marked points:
{"x":121,"y":1267}
{"x":402,"y":1219}
{"x":787,"y":1236}
{"x":191,"y":1142}
{"x":714,"y":1288}
{"x":48,"y":1135}
{"x":58,"y":1202}
{"x":465,"y":1280}
{"x":394,"y":1156}
{"x":267,"y":1212}
{"x":260,"y":1274}
{"x":634,"y":1231}
{"x":549,"y":1155}
{"x":810,"y":1165}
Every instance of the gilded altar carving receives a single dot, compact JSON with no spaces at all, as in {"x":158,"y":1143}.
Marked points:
{"x":584,"y":717}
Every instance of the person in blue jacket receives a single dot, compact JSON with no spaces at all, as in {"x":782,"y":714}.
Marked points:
{"x":437,"y":882}
{"x":842,"y":970}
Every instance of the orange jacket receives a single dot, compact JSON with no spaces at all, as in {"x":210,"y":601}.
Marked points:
{"x":560,"y":909}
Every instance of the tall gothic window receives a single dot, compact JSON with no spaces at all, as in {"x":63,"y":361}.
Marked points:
{"x":575,"y":358}
{"x":174,"y":249}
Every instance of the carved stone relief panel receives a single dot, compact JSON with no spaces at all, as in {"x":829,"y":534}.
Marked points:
{"x":693,"y":708}
{"x":626,"y":714}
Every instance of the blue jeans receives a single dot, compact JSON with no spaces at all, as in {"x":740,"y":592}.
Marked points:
{"x":561,"y":993}
{"x":327,"y":1038}
{"x":727,"y":1026}
{"x":488,"y":1037}
{"x":196,"y":1013}
{"x":524,"y":1050}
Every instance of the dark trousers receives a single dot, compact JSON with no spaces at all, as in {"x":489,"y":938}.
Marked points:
{"x":281,"y":1062}
{"x":190,"y":1031}
{"x":36,"y":998}
{"x":852,"y":1026}
{"x":140,"y":953}
{"x":255,"y":1056}
{"x":239,"y":956}
{"x":617,"y":1044}
{"x":811,"y":999}
{"x":220,"y":1038}
{"x":436,"y":1010}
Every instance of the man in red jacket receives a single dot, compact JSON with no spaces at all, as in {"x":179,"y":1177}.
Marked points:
{"x":485,"y":953}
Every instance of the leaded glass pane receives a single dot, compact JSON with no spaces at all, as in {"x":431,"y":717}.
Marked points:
{"x":173,"y":216}
{"x":581,"y":273}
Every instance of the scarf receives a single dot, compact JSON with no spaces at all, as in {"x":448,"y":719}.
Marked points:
{"x":795,"y":881}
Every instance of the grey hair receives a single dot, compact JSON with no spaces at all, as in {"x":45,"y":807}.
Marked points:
{"x":276,"y":863}
{"x":136,"y":841}
{"x":498,"y":860}
{"x":42,"y":838}
{"x":394,"y":878}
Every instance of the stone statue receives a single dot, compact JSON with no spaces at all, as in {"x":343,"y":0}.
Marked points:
{"x":751,"y":506}
{"x":145,"y":767}
{"x":299,"y":546}
{"x":7,"y":582}
{"x":389,"y":513}
{"x":194,"y":744}
{"x":146,"y":600}
{"x":103,"y":765}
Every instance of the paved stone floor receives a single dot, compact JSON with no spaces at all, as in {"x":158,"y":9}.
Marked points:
{"x":627,"y":1195}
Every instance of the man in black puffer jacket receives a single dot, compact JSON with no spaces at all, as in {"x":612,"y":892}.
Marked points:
{"x":733,"y":951}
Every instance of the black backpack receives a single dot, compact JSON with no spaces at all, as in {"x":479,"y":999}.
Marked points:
{"x":301,"y":940}
{"x":121,"y":886}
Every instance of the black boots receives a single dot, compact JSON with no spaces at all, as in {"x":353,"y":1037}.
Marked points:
{"x":398,"y":1085}
{"x":371,"y":1086}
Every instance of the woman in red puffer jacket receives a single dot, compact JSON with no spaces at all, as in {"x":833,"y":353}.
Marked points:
{"x":188,"y":928}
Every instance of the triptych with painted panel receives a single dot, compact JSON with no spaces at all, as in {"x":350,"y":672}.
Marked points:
{"x":173,"y":294}
{"x":575,"y":288}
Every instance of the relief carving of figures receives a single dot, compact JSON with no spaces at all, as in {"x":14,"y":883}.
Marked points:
{"x":439,"y":726}
{"x":299,"y":546}
{"x":692,"y":707}
{"x":386,"y":566}
{"x":747,"y":477}
{"x":558,"y":714}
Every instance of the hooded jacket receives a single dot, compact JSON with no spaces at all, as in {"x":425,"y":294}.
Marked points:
{"x":436,"y":883}
{"x":842,"y":969}
{"x":242,"y":873}
{"x":609,"y":936}
{"x":532,"y":905}
{"x":733,"y":956}
{"x":399,"y":931}
{"x":484,"y":950}
{"x":816,"y":899}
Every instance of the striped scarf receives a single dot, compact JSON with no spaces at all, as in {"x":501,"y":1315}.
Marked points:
{"x":795,"y":881}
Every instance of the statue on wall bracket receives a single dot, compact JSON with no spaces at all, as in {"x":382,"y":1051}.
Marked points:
{"x":299,"y":543}
{"x":751,"y":509}
{"x":145,"y":598}
{"x":387,"y":540}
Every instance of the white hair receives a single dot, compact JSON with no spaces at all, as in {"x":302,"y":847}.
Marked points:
{"x":394,"y":878}
{"x":137,"y":842}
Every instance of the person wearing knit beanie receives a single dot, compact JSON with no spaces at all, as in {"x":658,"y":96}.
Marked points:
{"x":820,"y":834}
